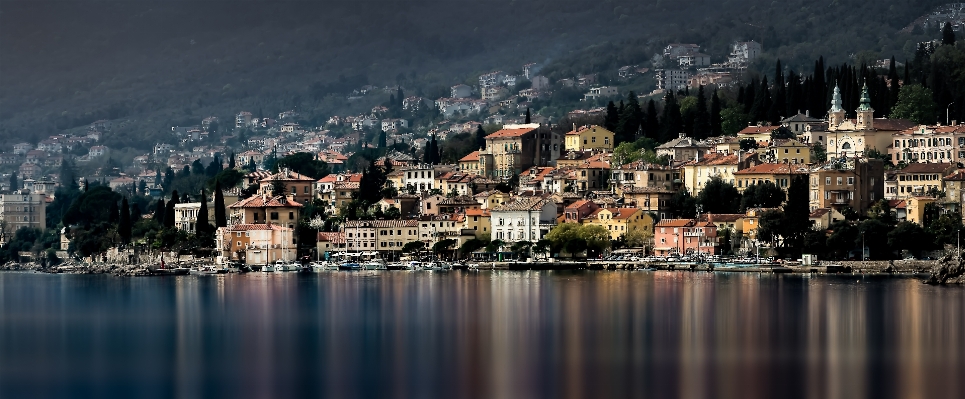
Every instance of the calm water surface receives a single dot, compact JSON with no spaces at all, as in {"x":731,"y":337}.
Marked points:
{"x":485,"y":335}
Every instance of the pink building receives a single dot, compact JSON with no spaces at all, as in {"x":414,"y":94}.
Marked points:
{"x":684,"y":236}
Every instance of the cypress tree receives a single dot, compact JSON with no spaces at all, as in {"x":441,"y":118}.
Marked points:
{"x":702,"y":117}
{"x":651,"y":126}
{"x":231,"y":161}
{"x":528,"y":118}
{"x":220,"y":218}
{"x":612,"y":117}
{"x":629,"y":120}
{"x":14,"y":185}
{"x":201,"y":226}
{"x":948,"y":35}
{"x":480,"y":137}
{"x":124,"y":225}
{"x":715,"y":121}
{"x":762,"y":102}
{"x":672,"y":121}
{"x":169,"y":210}
{"x":159,"y":210}
{"x":750,"y":92}
{"x":383,"y":140}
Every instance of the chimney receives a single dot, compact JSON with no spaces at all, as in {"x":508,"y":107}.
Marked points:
{"x":682,"y":135}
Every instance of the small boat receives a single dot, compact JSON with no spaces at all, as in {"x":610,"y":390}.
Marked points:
{"x":349,"y":266}
{"x":374,"y":265}
{"x":178,"y":271}
{"x":268,"y":268}
{"x":397,"y":266}
{"x":208,"y":270}
{"x":459,"y":266}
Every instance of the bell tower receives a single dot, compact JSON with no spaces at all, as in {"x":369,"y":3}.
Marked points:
{"x":866,"y":115}
{"x":836,"y":113}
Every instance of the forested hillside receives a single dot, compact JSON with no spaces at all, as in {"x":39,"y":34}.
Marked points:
{"x":157,"y":64}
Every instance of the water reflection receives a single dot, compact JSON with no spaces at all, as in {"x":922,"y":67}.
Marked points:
{"x":487,"y":334}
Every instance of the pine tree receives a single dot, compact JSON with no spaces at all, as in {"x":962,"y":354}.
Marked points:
{"x":201,"y":226}
{"x":480,"y":137}
{"x":948,"y":35}
{"x":701,"y":117}
{"x":715,"y":121}
{"x":159,"y":210}
{"x":124,"y":224}
{"x":528,"y":118}
{"x":220,"y":218}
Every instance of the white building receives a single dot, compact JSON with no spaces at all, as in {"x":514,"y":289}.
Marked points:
{"x":672,"y":79}
{"x":460,"y":91}
{"x":743,"y":52}
{"x":186,"y":215}
{"x":523,"y":219}
{"x":600,"y":92}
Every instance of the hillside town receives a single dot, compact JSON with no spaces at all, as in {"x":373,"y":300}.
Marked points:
{"x":487,"y":177}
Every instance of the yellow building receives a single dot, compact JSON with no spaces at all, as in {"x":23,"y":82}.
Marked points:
{"x":479,"y":221}
{"x":492,"y":199}
{"x":589,"y":138}
{"x":778,"y":173}
{"x":916,"y":208}
{"x":792,"y":151}
{"x":620,"y":221}
{"x":262,"y":209}
{"x":699,"y":172}
{"x":470,"y":163}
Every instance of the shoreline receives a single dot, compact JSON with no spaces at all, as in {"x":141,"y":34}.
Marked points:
{"x":899,"y":268}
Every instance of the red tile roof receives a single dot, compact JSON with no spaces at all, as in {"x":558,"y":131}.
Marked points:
{"x":773,"y":169}
{"x":922,"y":167}
{"x":258,"y":201}
{"x":510,"y":133}
{"x":472,"y":157}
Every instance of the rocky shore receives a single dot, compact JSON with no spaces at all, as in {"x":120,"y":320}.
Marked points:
{"x":949,"y":269}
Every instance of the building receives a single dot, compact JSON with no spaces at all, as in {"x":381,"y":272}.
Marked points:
{"x":856,"y":183}
{"x":621,"y":221}
{"x":96,"y":151}
{"x":509,"y":151}
{"x":928,"y":144}
{"x":790,"y":151}
{"x":479,"y":221}
{"x":298,"y":185}
{"x":655,"y":200}
{"x":673,"y":79}
{"x":693,"y":60}
{"x":256,"y":244}
{"x":822,"y":218}
{"x":578,"y":211}
{"x":644,"y":174}
{"x":780,"y":174}
{"x":19,"y":209}
{"x":743,"y":52}
{"x":919,"y":179}
{"x":392,"y":235}
{"x":589,"y":138}
{"x":684,"y":236}
{"x":842,"y":137}
{"x":460,"y":91}
{"x":954,"y":187}
{"x":799,"y":123}
{"x":682,"y":148}
{"x":699,"y":172}
{"x":523,"y":219}
{"x":261,"y":209}
{"x":186,"y":215}
{"x":600,"y":92}
{"x":761,"y":134}
{"x":243,"y":120}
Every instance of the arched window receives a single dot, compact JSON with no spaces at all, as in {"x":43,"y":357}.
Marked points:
{"x":846,"y":146}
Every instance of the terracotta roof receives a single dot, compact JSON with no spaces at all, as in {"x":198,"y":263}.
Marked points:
{"x":287,"y":175}
{"x":381,"y":223}
{"x":477,"y":212}
{"x":578,"y":204}
{"x":458,"y":200}
{"x":819,"y":212}
{"x":252,"y":226}
{"x":759,"y":129}
{"x":346,"y":185}
{"x":472,"y":157}
{"x":510,"y":133}
{"x":892,"y":124}
{"x":897,"y":204}
{"x":675,"y":223}
{"x":522,"y":204}
{"x":921,"y":167}
{"x":623,"y":213}
{"x":258,"y":201}
{"x":774,"y":169}
{"x":714,"y":159}
{"x":958,"y":175}
{"x":643,"y":190}
{"x":332,"y":237}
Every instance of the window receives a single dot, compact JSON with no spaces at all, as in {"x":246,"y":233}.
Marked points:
{"x":306,"y":189}
{"x":827,"y":181}
{"x":274,"y":216}
{"x":839,"y":181}
{"x":294,"y":190}
{"x":291,"y":215}
{"x":850,"y":181}
{"x":593,"y":139}
{"x":238,"y":235}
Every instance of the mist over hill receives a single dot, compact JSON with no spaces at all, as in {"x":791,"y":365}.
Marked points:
{"x":163,"y":63}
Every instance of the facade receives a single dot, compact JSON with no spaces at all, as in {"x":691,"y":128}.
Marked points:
{"x":682,"y":148}
{"x":523,"y":219}
{"x":928,"y":144}
{"x":299,"y":186}
{"x":589,"y":138}
{"x":643,"y":174}
{"x":919,"y":179}
{"x":509,"y":151}
{"x":186,"y":215}
{"x":600,"y":92}
{"x":778,"y":173}
{"x":684,"y":236}
{"x":857,"y":183}
{"x":844,"y":137}
{"x":262,"y":209}
{"x":256,"y":244}
{"x":479,"y":221}
{"x":22,"y":208}
{"x":621,"y":221}
{"x":698,"y":173}
{"x":791,"y":151}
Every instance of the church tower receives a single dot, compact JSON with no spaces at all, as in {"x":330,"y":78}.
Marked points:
{"x":836,"y":113}
{"x":866,"y":115}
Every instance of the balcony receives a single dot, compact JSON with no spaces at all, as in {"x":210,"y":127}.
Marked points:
{"x":840,"y":201}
